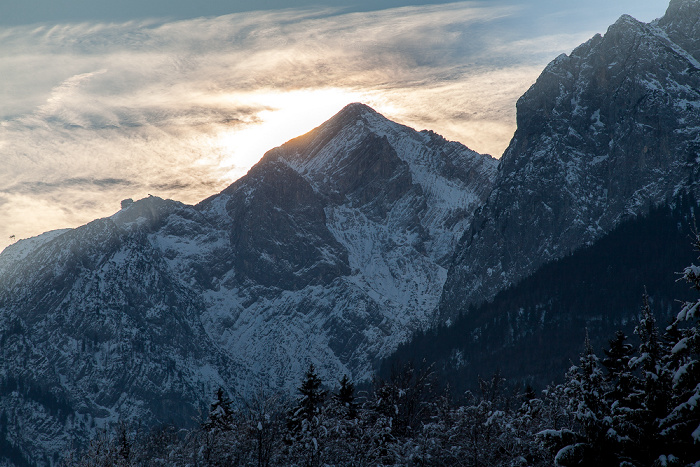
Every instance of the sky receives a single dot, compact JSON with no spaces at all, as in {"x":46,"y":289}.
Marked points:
{"x":106,"y":100}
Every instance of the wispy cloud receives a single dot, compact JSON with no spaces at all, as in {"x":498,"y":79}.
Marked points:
{"x":93,"y":113}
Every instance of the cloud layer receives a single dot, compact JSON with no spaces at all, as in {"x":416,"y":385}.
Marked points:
{"x":96,"y":112}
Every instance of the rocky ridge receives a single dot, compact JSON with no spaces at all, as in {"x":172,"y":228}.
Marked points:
{"x":604,"y":134}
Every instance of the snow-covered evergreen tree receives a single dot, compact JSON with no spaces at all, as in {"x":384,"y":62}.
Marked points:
{"x":617,"y":364}
{"x":345,"y":397}
{"x":305,"y":425}
{"x":220,"y":418}
{"x":651,"y":397}
{"x":681,"y":427}
{"x":621,"y":383}
{"x":219,"y":432}
{"x":593,"y":441}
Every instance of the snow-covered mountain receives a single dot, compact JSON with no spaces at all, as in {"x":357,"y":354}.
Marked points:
{"x":336,"y":246}
{"x":604,"y":134}
{"x":331,"y":250}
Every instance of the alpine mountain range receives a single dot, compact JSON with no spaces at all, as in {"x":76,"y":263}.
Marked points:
{"x":339,"y":245}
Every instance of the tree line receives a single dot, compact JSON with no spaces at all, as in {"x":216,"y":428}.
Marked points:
{"x":533,"y":330}
{"x":633,"y":405}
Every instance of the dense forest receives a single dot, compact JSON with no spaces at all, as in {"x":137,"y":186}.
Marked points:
{"x":532,"y":332}
{"x":634,"y":404}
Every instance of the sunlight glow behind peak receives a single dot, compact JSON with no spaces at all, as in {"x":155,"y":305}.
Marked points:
{"x":95,"y":112}
{"x":285,"y":115}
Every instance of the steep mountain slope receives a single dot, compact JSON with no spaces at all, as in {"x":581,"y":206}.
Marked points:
{"x":604,"y":134}
{"x":96,"y":328}
{"x":339,"y":238}
{"x":532,"y":332}
{"x":331,"y":250}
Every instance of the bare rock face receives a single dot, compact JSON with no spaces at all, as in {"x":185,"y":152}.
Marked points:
{"x":682,"y":25}
{"x":605,"y":133}
{"x":296,"y":249}
{"x":332,"y":250}
{"x":336,"y":246}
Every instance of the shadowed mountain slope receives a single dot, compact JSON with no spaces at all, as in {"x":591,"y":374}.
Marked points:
{"x":603,"y":135}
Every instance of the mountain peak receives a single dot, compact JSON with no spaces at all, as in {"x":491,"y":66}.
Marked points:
{"x":354,"y":109}
{"x":683,"y":11}
{"x":354,"y":114}
{"x":603,"y":134}
{"x":351,"y":114}
{"x":678,"y":5}
{"x":682,"y":25}
{"x":627,"y":19}
{"x":624,"y":25}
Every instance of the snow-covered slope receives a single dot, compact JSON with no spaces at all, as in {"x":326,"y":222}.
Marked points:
{"x":95,"y":328}
{"x":17,"y":252}
{"x":331,"y":250}
{"x":339,"y":244}
{"x":604,"y":134}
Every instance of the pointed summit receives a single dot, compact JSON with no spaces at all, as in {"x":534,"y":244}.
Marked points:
{"x":351,"y":118}
{"x":605,"y":133}
{"x":332,"y":249}
{"x":682,"y":24}
{"x":353,"y":111}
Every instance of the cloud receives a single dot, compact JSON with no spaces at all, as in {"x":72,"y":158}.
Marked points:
{"x":81,"y":183}
{"x":96,"y":112}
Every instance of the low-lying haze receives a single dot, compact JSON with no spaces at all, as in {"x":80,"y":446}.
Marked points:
{"x":94,"y":111}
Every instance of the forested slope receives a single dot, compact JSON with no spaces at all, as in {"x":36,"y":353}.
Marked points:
{"x":533,"y":331}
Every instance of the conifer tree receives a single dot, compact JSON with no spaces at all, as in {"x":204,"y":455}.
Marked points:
{"x":310,"y":400}
{"x":217,"y":431}
{"x":346,"y":397}
{"x":124,"y":444}
{"x":616,"y":363}
{"x":681,"y":426}
{"x":220,"y":414}
{"x":650,"y":399}
{"x":620,"y":384}
{"x":592,"y":441}
{"x":305,"y":421}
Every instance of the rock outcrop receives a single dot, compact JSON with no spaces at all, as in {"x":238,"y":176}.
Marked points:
{"x":604,"y":134}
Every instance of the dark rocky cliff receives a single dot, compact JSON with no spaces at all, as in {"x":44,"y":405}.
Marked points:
{"x":604,"y":134}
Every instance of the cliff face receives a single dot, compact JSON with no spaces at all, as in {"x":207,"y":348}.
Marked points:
{"x":337,"y":245}
{"x":682,"y":25}
{"x":604,"y":134}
